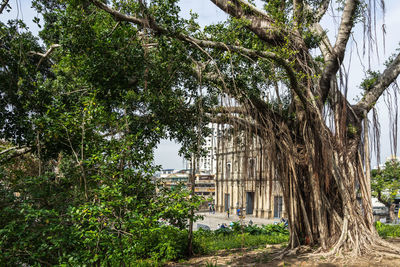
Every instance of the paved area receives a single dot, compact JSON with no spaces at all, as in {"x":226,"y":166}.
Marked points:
{"x":214,"y":220}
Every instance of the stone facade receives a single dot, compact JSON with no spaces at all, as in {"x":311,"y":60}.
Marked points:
{"x":242,"y":180}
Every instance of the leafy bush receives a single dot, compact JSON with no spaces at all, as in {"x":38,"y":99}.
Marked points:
{"x":387,"y":231}
{"x":253,"y":230}
{"x":223,"y":231}
{"x":117,"y":228}
{"x":269,"y":229}
{"x":236,"y":227}
{"x":275,"y":229}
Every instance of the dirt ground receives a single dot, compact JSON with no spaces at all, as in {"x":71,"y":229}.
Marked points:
{"x":266,"y":257}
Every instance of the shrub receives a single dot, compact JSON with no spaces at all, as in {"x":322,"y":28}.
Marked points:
{"x":387,"y":231}
{"x":116,"y":229}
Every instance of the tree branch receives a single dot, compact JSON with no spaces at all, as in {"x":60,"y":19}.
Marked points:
{"x":298,"y":10}
{"x":335,"y":59}
{"x":384,"y":80}
{"x":230,"y":110}
{"x":3,"y":6}
{"x":321,"y":10}
{"x":118,"y":16}
{"x":150,"y":23}
{"x":259,"y":22}
{"x":45,"y":55}
{"x":325,"y":46}
{"x":345,"y":27}
{"x":16,"y":153}
{"x":7,"y":150}
{"x":262,"y":25}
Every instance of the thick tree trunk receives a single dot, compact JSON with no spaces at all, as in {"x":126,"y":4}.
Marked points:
{"x":326,"y":192}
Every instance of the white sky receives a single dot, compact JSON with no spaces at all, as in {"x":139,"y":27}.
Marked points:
{"x":167,"y":151}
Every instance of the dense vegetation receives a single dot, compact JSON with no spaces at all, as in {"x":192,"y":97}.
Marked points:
{"x":78,"y":129}
{"x":46,"y":219}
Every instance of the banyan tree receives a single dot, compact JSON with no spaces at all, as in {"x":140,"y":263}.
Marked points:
{"x":275,"y":72}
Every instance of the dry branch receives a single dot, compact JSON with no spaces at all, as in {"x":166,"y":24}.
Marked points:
{"x":15,"y":152}
{"x":45,"y":55}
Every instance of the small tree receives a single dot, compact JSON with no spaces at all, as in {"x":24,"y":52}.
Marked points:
{"x":385,"y":183}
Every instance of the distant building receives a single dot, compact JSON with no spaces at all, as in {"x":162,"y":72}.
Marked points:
{"x":204,"y":182}
{"x":172,"y":179}
{"x":166,"y":172}
{"x":205,"y":185}
{"x":242,"y":180}
{"x":208,"y":163}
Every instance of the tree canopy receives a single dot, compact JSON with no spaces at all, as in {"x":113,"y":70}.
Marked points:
{"x":78,"y":126}
{"x":385,"y":182}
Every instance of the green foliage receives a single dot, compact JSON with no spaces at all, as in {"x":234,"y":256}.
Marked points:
{"x":370,"y":80}
{"x":21,"y":98}
{"x":385,"y":183}
{"x":117,"y":226}
{"x":210,"y":245}
{"x":351,"y":130}
{"x":387,"y":230}
{"x":91,"y":115}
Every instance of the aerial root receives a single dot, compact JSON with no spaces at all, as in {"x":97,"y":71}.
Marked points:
{"x":385,"y":244}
